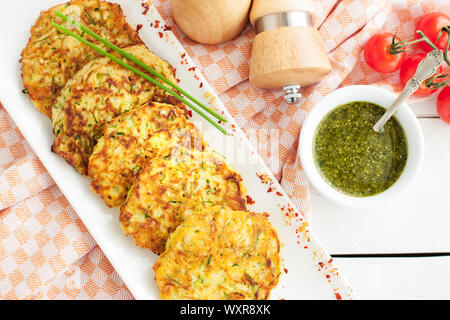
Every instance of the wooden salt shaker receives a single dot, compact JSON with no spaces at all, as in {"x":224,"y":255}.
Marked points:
{"x":287,"y":51}
{"x":211,"y":21}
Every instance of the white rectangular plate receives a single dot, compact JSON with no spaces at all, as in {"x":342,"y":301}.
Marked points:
{"x":309,"y":271}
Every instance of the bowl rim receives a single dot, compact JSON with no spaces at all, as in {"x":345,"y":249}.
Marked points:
{"x":404,"y":115}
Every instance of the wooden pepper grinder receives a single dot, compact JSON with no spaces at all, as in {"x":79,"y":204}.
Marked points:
{"x":287,"y":51}
{"x":211,"y":21}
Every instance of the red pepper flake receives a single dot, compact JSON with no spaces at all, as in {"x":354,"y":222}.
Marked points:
{"x":265,"y":179}
{"x":321,"y":264}
{"x":178,"y":80}
{"x":338,"y":296}
{"x":285,"y":270}
{"x":250,"y":201}
{"x":160,"y":34}
{"x":183,"y":55}
{"x":328,"y":276}
{"x":146,"y":8}
{"x":270,"y":189}
{"x":192,"y":69}
{"x":201,"y":85}
{"x":138,"y":27}
{"x":167,"y":28}
{"x":190,"y":113}
{"x":330,"y":261}
{"x":278,"y":193}
{"x":156,"y":24}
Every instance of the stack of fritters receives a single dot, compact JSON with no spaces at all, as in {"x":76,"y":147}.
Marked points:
{"x":136,"y":143}
{"x":173,"y":185}
{"x":99,"y":92}
{"x":130,"y":140}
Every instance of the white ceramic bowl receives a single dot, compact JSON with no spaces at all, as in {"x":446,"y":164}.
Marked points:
{"x":383,"y":98}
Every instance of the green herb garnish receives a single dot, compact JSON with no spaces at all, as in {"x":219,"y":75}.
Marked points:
{"x":138,"y":72}
{"x":176,"y":281}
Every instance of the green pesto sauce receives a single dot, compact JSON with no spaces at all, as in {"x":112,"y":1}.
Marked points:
{"x":352,"y":157}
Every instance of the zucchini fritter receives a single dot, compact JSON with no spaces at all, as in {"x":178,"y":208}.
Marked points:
{"x":51,"y":58}
{"x":99,"y":92}
{"x":220,"y":254}
{"x":130,"y":141}
{"x":172,"y":185}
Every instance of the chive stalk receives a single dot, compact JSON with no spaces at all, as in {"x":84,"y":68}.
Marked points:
{"x":139,"y":63}
{"x":140,"y":73}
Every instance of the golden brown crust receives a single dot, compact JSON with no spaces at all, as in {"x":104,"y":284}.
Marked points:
{"x":51,"y":58}
{"x":131,"y":140}
{"x":172,"y":185}
{"x":98,"y":93}
{"x":220,"y":254}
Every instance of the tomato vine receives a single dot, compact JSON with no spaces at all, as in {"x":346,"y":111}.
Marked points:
{"x":398,"y":47}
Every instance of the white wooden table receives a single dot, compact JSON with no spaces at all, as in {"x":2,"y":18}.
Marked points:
{"x":374,"y":246}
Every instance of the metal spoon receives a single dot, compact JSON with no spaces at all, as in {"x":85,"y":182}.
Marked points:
{"x":426,"y":68}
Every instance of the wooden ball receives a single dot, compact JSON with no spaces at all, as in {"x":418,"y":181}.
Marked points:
{"x":211,"y":21}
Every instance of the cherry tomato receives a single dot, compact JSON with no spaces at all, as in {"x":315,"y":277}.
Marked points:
{"x":408,"y":70}
{"x":431,"y":24}
{"x":443,"y":104}
{"x":377,"y":56}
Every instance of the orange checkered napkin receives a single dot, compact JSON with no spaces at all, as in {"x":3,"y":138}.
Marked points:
{"x":45,"y":250}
